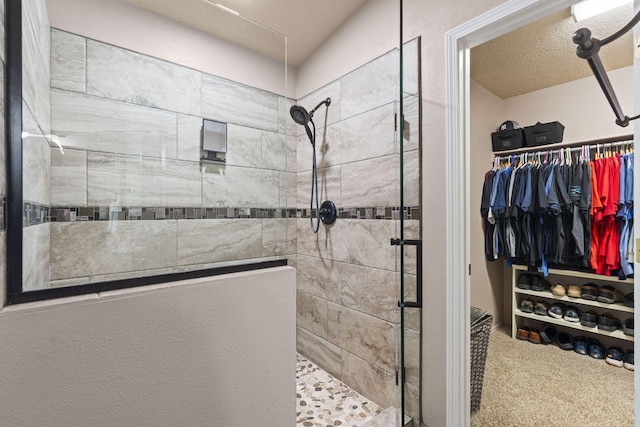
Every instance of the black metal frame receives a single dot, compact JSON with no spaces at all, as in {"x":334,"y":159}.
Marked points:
{"x":13,"y":111}
{"x":14,"y":205}
{"x":91,"y":288}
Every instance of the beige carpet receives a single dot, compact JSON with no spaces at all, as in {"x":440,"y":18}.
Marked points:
{"x":543,"y":386}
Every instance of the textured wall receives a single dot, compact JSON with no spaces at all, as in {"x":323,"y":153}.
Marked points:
{"x":131,"y":125}
{"x":579,"y":105}
{"x":216,"y":351}
{"x":486,"y":114}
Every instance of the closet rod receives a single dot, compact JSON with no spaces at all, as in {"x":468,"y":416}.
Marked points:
{"x":552,"y":151}
{"x":594,"y":142}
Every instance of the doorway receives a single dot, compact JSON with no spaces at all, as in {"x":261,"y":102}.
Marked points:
{"x":496,"y":22}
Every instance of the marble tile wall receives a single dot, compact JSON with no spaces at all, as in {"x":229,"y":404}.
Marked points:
{"x":244,"y":187}
{"x":347,"y":274}
{"x":35,"y":257}
{"x":98,"y":124}
{"x":68,"y":61}
{"x":141,"y":181}
{"x":149,"y":81}
{"x":2,"y":34}
{"x":36,"y":119}
{"x":123,"y":246}
{"x":69,"y":177}
{"x":35,"y":62}
{"x":134,"y":143}
{"x":202,"y":241}
{"x":226,"y":101}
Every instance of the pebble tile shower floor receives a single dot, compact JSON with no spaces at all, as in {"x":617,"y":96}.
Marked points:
{"x":324,"y":401}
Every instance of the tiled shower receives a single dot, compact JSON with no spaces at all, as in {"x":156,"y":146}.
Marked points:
{"x":127,"y":195}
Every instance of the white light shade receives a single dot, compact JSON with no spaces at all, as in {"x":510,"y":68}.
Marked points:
{"x":589,"y":8}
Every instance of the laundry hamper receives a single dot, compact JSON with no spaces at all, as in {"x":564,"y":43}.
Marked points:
{"x":480,"y":330}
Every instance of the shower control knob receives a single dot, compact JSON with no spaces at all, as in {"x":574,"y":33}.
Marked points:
{"x":328,"y":212}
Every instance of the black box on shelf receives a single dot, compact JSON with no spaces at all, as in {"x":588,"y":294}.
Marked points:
{"x":507,"y":139}
{"x":543,"y":134}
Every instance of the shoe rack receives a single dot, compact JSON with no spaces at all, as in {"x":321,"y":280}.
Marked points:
{"x":568,"y":277}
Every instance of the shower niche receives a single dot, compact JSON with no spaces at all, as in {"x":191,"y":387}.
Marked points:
{"x":214,"y":141}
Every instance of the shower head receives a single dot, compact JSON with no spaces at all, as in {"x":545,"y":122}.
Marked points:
{"x":300,"y":115}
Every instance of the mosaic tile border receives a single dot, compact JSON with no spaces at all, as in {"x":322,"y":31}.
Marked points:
{"x":34,"y":214}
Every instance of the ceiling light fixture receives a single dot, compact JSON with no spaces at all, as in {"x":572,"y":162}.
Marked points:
{"x":590,"y":8}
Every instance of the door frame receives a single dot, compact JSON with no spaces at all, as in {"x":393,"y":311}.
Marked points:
{"x":507,"y":17}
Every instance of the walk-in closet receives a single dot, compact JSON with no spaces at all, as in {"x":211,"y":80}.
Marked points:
{"x":551,"y":227}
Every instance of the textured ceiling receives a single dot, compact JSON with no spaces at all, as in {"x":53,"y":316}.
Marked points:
{"x":306,"y":23}
{"x":542,"y":54}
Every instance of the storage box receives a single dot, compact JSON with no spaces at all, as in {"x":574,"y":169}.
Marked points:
{"x":507,"y":139}
{"x":543,"y":134}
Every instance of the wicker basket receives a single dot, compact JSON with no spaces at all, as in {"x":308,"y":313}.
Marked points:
{"x":480,"y":330}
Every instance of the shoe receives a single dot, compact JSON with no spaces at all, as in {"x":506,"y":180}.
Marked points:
{"x":608,"y":295}
{"x":628,"y":300}
{"x":572,"y":314}
{"x":589,"y":292}
{"x":627,"y":327}
{"x":539,"y":283}
{"x":628,"y":360}
{"x":548,"y":334}
{"x":615,"y":356}
{"x":607,"y":322}
{"x":589,"y":319}
{"x":596,"y":350}
{"x":557,"y":310}
{"x":559,"y":290}
{"x":524,"y":281}
{"x":580,"y":345}
{"x":573,"y":291}
{"x":565,"y":341}
{"x":523,"y":333}
{"x":534,"y":336}
{"x":526,"y":305}
{"x":541,"y":308}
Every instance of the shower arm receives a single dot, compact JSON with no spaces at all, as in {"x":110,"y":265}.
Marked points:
{"x":588,"y":48}
{"x":326,"y":102}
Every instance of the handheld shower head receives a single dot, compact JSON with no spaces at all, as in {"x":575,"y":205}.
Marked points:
{"x":299,"y":115}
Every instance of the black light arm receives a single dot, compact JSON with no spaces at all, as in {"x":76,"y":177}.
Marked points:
{"x":588,"y":48}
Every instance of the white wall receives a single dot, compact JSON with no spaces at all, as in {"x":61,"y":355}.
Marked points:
{"x":487,"y":112}
{"x":372,"y":31}
{"x":579,"y":105}
{"x":216,"y":351}
{"x":124,"y":25}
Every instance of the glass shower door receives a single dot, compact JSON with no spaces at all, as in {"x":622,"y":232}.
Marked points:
{"x":409,"y":241}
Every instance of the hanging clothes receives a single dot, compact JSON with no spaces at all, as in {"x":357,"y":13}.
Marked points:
{"x":554,"y":209}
